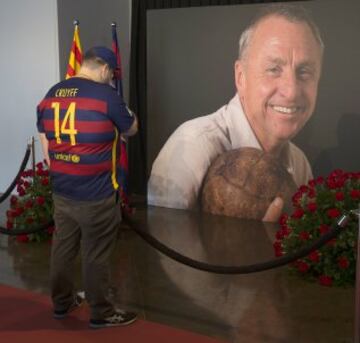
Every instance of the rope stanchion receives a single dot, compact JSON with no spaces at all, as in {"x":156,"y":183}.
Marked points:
{"x":21,"y":169}
{"x":22,"y":231}
{"x":245,"y":269}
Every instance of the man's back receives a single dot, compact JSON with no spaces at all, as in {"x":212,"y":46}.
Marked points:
{"x":82,"y":120}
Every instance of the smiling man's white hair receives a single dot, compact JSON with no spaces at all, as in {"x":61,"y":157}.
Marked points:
{"x":291,"y":12}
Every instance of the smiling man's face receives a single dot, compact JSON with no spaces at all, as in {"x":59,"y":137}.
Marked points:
{"x":277,"y":79}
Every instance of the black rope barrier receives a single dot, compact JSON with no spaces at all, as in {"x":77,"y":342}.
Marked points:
{"x":24,"y":231}
{"x":21,"y":169}
{"x":217,"y":269}
{"x":245,"y":269}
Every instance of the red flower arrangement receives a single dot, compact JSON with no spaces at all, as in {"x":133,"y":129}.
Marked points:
{"x":33,"y":207}
{"x":316,"y":206}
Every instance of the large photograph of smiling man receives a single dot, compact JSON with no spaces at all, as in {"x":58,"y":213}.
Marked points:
{"x":276,"y":76}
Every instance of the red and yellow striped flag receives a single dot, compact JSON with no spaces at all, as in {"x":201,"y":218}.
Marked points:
{"x":75,"y":58}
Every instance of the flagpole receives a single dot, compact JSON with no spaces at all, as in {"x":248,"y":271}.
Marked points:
{"x":75,"y":57}
{"x":33,"y":153}
{"x":115,"y":47}
{"x":124,"y":192}
{"x":113,"y":28}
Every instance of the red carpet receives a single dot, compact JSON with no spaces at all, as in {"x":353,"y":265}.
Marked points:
{"x":26,"y":317}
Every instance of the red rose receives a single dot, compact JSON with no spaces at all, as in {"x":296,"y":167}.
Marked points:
{"x":283,"y":219}
{"x":303,"y":189}
{"x":299,"y":212}
{"x":312,"y":207}
{"x":13,"y":200}
{"x":341,"y":182}
{"x":320,"y":180}
{"x":278,"y":248}
{"x":312,"y":193}
{"x":314,"y":256}
{"x":51,"y":229}
{"x":336,"y":172}
{"x":283,"y":232}
{"x":40,"y":200}
{"x":355,"y":194}
{"x":18,"y":211}
{"x":39,"y":165}
{"x":302,"y":267}
{"x":45,"y":181}
{"x":20,"y":190}
{"x":304,"y":235}
{"x":333,"y":213}
{"x":277,"y":245}
{"x":286,"y":231}
{"x":343,"y":262}
{"x":312,"y":183}
{"x":332,"y":184}
{"x":9,"y":225}
{"x":296,"y":198}
{"x":279,"y":234}
{"x":325,"y":280}
{"x":339,"y":196}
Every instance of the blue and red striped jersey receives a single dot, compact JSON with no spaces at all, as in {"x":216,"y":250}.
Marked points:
{"x":83,"y":120}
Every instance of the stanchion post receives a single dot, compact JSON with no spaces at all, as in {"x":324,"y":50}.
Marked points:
{"x":357,"y":290}
{"x":33,"y":153}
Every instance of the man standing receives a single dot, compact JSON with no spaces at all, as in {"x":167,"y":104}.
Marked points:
{"x":80,"y":121}
{"x":276,"y":77}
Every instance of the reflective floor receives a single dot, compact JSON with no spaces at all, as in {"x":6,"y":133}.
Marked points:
{"x":269,"y":306}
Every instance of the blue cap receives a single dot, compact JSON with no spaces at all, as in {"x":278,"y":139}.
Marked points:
{"x":105,"y":54}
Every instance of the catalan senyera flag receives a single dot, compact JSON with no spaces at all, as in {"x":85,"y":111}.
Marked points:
{"x":123,"y":161}
{"x":75,"y":57}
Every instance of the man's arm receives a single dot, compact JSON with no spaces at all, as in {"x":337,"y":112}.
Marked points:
{"x":45,"y":147}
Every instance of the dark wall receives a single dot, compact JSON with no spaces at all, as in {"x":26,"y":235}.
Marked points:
{"x":95,"y":18}
{"x":191,"y":53}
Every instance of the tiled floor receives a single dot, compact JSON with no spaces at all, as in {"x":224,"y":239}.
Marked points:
{"x":270,"y":306}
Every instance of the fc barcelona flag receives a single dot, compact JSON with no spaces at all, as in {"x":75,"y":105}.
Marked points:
{"x":118,"y":71}
{"x":75,"y":58}
{"x":123,"y":162}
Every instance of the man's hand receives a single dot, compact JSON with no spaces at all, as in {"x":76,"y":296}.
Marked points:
{"x":274,"y":210}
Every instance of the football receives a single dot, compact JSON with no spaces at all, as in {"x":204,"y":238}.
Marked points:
{"x":243,"y":182}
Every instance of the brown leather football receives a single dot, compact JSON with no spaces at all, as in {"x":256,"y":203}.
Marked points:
{"x":243,"y":182}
